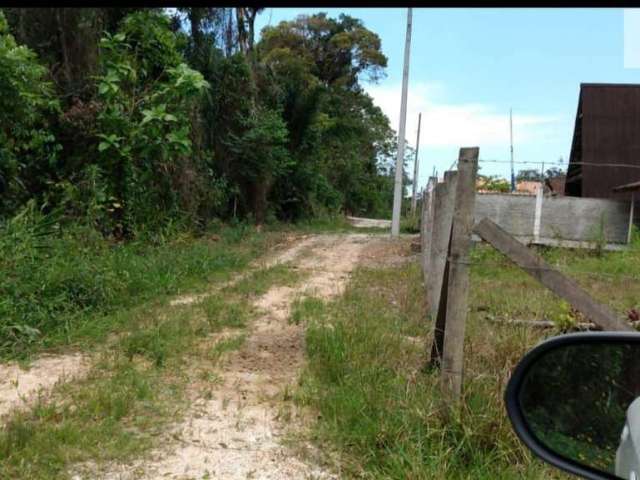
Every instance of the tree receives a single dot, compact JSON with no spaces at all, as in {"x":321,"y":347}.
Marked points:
{"x":147,"y":93}
{"x":530,"y":175}
{"x":339,"y":50}
{"x":553,"y":172}
{"x":66,"y":39}
{"x":339,"y":140}
{"x":493,"y":183}
{"x":28,"y":149}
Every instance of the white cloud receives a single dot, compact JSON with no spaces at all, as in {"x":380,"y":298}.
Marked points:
{"x":447,"y":124}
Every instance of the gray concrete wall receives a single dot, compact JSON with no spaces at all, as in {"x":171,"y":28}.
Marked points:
{"x":582,"y":219}
{"x":569,"y":219}
{"x":514,"y":213}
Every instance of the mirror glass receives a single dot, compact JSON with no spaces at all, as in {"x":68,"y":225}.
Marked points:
{"x":583,"y":403}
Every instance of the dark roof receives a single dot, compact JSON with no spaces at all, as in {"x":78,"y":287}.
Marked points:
{"x":587,"y":84}
{"x":606,"y":138}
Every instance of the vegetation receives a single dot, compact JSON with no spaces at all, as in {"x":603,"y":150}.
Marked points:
{"x":534,"y":175}
{"x":380,"y":413}
{"x":125,"y":130}
{"x":136,"y":383}
{"x":140,"y":119}
{"x":493,"y":183}
{"x":62,"y":285}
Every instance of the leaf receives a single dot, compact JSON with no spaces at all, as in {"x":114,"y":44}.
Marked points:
{"x":102,"y":146}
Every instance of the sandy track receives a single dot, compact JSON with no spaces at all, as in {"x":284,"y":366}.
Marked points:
{"x":238,"y":433}
{"x":19,"y":387}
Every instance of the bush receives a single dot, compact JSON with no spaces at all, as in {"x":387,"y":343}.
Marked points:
{"x":57,"y":284}
{"x":28,"y":148}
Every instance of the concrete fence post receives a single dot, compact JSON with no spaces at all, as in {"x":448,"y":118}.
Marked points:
{"x":537,"y":216}
{"x":443,"y":206}
{"x":426,"y":225}
{"x":458,"y":274}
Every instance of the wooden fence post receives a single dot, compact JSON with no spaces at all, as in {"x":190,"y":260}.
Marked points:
{"x":458,"y":281}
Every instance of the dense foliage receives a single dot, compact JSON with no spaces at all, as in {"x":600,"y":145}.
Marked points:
{"x":129,"y":119}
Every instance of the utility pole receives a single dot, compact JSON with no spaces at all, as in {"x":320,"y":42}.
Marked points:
{"x":416,"y":165}
{"x":398,"y":189}
{"x":513,"y":177}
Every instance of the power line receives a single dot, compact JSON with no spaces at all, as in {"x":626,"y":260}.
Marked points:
{"x":532,"y":162}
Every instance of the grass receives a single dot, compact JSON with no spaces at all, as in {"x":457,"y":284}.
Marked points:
{"x":381,"y":414}
{"x":260,"y":280}
{"x":502,"y":290}
{"x":135,"y":387}
{"x":144,"y":352}
{"x":71,"y":286}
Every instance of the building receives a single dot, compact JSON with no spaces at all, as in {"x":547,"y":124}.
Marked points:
{"x":555,"y":185}
{"x":528,"y":187}
{"x":605,"y":151}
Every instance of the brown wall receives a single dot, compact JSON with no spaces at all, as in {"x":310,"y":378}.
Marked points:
{"x":610,"y":135}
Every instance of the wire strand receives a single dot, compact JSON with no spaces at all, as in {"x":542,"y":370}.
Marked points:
{"x":547,"y":269}
{"x":530,"y":162}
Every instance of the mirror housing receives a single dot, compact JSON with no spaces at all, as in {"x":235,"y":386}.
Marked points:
{"x":520,"y":391}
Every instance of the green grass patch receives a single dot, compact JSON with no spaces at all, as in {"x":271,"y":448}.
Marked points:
{"x":134,"y":389}
{"x":259,"y":281}
{"x":111,"y":415}
{"x":502,"y":290}
{"x":63,"y":286}
{"x":145,"y":351}
{"x":225,"y":345}
{"x":378,"y":409}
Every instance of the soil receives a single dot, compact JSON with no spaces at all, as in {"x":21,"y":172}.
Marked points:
{"x":240,"y":432}
{"x":236,"y":427}
{"x":20,"y":386}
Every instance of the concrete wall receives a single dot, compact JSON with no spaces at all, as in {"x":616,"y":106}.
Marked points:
{"x":562,"y":219}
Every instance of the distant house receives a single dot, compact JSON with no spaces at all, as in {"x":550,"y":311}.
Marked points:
{"x":605,"y":138}
{"x":528,"y":187}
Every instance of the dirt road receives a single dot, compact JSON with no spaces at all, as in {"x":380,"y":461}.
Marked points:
{"x":238,"y":430}
{"x":238,"y":434}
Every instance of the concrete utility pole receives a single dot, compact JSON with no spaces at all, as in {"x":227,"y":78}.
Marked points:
{"x":416,"y":168}
{"x":398,"y":189}
{"x":513,"y":177}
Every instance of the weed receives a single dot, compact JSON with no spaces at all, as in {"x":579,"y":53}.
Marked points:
{"x":384,"y":414}
{"x":62,"y":286}
{"x":224,"y":346}
{"x":261,"y":280}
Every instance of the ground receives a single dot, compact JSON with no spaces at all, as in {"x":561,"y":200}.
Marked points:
{"x":238,"y":420}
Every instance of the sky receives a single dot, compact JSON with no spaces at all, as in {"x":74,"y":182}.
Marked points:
{"x":470,"y":66}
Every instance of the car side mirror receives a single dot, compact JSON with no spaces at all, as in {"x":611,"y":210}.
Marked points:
{"x":574,"y":400}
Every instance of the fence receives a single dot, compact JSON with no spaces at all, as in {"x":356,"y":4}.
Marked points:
{"x":452,"y":213}
{"x":557,"y":221}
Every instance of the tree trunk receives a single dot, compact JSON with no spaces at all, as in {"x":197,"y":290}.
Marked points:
{"x":195,"y":19}
{"x":229,"y":33}
{"x":62,"y":37}
{"x":261,"y":189}
{"x":253,"y":12}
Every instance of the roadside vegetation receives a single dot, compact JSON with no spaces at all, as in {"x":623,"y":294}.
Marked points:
{"x":62,"y":287}
{"x":379,"y":410}
{"x":145,"y":357}
{"x":138,"y":147}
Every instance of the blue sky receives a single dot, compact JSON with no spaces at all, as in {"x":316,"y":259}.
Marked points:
{"x":469,"y":66}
